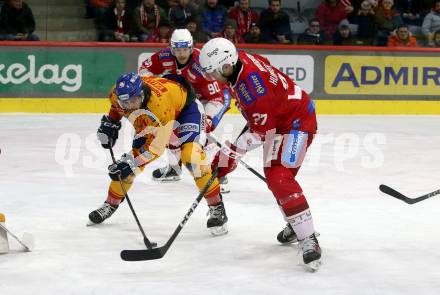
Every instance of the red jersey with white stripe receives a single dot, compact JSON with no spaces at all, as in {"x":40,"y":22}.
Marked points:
{"x":163,"y":62}
{"x":271,"y":100}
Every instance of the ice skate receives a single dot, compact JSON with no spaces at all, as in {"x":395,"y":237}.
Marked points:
{"x":102,"y":213}
{"x":217,"y":221}
{"x":287,"y":235}
{"x":224,"y":187}
{"x":167,"y":173}
{"x":311,"y":252}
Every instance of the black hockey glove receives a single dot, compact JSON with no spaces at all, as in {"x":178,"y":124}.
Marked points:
{"x":122,"y":168}
{"x":108,"y":131}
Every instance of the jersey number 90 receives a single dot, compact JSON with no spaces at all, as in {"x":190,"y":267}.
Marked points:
{"x":213,"y":88}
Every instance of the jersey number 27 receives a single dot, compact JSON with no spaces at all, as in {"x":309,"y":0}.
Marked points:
{"x":259,"y":119}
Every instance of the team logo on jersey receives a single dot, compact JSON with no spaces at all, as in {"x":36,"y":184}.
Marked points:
{"x":166,"y":54}
{"x":196,"y":69}
{"x":244,"y":93}
{"x":147,"y":63}
{"x":188,"y":127}
{"x":257,"y":83}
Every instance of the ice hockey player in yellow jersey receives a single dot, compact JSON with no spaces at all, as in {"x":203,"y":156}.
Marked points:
{"x":163,"y":112}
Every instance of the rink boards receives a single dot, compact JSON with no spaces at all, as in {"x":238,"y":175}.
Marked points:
{"x":48,"y":77}
{"x":323,"y":107}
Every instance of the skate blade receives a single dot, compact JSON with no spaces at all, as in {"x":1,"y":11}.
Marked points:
{"x":314,"y":265}
{"x":168,"y":179}
{"x":219,"y":230}
{"x":294,"y":241}
{"x":91,"y":223}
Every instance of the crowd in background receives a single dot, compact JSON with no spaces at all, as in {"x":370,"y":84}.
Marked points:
{"x":335,"y":22}
{"x":16,"y":21}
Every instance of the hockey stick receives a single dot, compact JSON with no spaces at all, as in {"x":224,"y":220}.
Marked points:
{"x":147,"y":242}
{"x":157,"y":253}
{"x":389,"y":191}
{"x":255,"y":172}
{"x":27,"y":249}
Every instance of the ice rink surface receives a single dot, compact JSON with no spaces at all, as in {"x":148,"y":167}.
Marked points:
{"x":53,"y":173}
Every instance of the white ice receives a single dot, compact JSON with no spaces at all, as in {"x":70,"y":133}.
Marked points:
{"x":53,"y":173}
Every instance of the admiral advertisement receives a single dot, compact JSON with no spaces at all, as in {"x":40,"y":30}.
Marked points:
{"x":382,"y":76}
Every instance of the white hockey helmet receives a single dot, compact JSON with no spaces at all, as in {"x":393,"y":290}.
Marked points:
{"x":216,"y":53}
{"x":181,"y":38}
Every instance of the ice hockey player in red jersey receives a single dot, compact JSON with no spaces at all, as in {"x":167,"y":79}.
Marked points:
{"x":181,"y":58}
{"x":281,"y":117}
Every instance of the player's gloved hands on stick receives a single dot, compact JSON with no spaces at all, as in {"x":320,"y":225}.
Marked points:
{"x":122,"y":168}
{"x":226,"y":159}
{"x":108,"y":131}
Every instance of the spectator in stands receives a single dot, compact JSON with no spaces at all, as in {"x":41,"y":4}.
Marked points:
{"x":254,"y":36}
{"x":199,"y":4}
{"x":387,"y":20}
{"x":374,"y":4}
{"x":313,"y":35}
{"x":244,"y":16}
{"x":163,"y":33}
{"x":115,"y":24}
{"x":17,"y":22}
{"x":419,"y":6}
{"x":275,"y":22}
{"x":100,"y":7}
{"x":146,"y":18}
{"x":180,"y":14}
{"x":331,"y":12}
{"x":230,"y":32}
{"x":165,"y":4}
{"x":343,"y":36}
{"x":411,"y":11}
{"x":228,"y":3}
{"x":364,"y":19}
{"x":90,"y":10}
{"x":213,"y":18}
{"x":356,"y":4}
{"x":436,"y":39}
{"x":168,"y":4}
{"x":132,"y":4}
{"x":431,"y":23}
{"x":402,"y":37}
{"x":198,"y":35}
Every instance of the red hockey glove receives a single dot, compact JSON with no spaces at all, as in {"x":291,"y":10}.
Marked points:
{"x":208,"y":124}
{"x":226,"y":159}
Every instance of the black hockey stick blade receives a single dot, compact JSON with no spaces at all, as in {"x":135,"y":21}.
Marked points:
{"x":392,"y":192}
{"x":145,"y":254}
{"x":157,"y":253}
